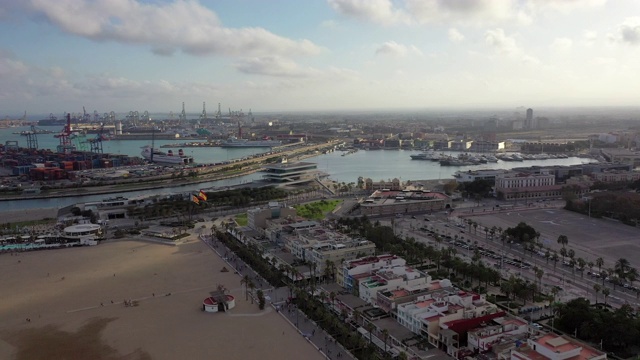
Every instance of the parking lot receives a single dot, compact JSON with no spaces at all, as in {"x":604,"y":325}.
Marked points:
{"x":590,"y":238}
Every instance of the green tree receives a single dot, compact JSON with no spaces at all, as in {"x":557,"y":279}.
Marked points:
{"x":563,"y":240}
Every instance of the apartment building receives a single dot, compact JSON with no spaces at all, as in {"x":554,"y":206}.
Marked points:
{"x":388,"y":278}
{"x":555,"y":347}
{"x":363,"y":267}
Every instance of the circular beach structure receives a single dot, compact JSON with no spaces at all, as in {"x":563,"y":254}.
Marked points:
{"x":212,"y":304}
{"x":83,"y":231}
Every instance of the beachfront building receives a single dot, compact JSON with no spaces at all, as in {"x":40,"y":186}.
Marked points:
{"x":389,"y":300}
{"x":310,"y":242}
{"x":355,"y":269}
{"x":390,"y":202}
{"x":391,"y":278}
{"x":83,"y":232}
{"x":556,"y":347}
{"x":337,"y":252}
{"x":257,"y":218}
{"x":215,"y":304}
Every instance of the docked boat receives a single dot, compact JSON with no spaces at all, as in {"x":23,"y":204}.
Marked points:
{"x":169,"y":158}
{"x":235,"y":142}
{"x":430,"y":155}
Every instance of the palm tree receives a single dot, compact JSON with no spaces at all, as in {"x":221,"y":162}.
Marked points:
{"x":245,"y":281}
{"x":621,"y":268}
{"x":605,"y":293}
{"x":539,"y":274}
{"x":555,"y":260}
{"x":563,"y":240}
{"x":599,"y":264}
{"x":252,"y":287}
{"x":632,"y":275}
{"x":385,"y":336}
{"x":597,"y":288}
{"x":581,"y":264}
{"x":369,"y":327}
{"x":357,"y":316}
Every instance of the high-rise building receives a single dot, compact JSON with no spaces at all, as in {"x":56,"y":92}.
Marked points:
{"x":528,"y":121}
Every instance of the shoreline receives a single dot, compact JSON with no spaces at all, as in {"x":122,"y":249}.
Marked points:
{"x":98,"y":191}
{"x":72,"y":192}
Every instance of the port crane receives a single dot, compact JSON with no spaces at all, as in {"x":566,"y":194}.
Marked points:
{"x":95,"y":144}
{"x":32,"y":137}
{"x":65,"y":137}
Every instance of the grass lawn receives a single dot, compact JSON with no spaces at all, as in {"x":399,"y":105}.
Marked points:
{"x":241,"y":219}
{"x":316,"y":210}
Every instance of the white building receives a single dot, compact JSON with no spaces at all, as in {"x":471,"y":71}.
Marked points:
{"x":524,"y":180}
{"x":391,"y":278}
{"x":556,"y":347}
{"x":363,"y":267}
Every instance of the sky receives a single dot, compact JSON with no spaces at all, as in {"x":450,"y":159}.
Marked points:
{"x":316,"y":55}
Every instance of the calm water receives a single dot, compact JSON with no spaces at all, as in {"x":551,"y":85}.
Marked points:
{"x":377,"y":165}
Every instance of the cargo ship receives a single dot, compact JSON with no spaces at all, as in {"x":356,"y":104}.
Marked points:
{"x":169,"y":158}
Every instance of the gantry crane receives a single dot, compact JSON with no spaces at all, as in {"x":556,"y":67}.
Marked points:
{"x":65,"y":146}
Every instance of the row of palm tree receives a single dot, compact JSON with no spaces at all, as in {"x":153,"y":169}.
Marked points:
{"x":622,"y":270}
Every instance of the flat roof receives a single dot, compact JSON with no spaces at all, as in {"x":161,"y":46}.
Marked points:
{"x":288,"y":165}
{"x":82,"y":227}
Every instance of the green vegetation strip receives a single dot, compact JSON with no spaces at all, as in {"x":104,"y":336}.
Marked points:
{"x":316,"y":210}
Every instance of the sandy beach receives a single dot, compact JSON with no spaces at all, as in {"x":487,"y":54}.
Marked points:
{"x":73,"y":300}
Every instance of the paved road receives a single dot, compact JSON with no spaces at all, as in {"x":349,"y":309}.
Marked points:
{"x":277,"y":298}
{"x":571,"y":282}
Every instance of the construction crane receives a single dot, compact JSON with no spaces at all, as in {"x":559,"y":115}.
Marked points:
{"x":65,"y":146}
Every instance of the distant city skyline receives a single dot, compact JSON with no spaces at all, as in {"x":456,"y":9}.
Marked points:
{"x":317,"y":55}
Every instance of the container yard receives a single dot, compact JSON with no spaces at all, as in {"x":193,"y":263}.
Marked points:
{"x":46,"y":165}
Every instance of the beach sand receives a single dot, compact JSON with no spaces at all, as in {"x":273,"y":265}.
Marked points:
{"x":67,"y":294}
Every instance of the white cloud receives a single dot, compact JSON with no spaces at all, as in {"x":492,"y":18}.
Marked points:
{"x":398,"y":50}
{"x":455,"y":35}
{"x":179,"y":25}
{"x":506,"y":45}
{"x":377,"y":11}
{"x":273,"y":66}
{"x":479,"y":11}
{"x":561,"y":45}
{"x":563,"y":6}
{"x":462,"y":12}
{"x":501,"y":42}
{"x":629,"y":31}
{"x":589,"y":37}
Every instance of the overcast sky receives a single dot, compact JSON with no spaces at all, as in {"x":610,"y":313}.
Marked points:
{"x":273,"y":55}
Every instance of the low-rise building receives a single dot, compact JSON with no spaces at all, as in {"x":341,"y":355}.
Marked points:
{"x":388,"y":202}
{"x":556,"y":347}
{"x":483,"y":338}
{"x":527,"y":186}
{"x":257,"y":218}
{"x":352,"y":270}
{"x":389,"y":278}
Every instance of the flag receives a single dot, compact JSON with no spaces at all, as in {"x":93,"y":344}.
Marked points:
{"x":195,"y":199}
{"x":202,"y":196}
